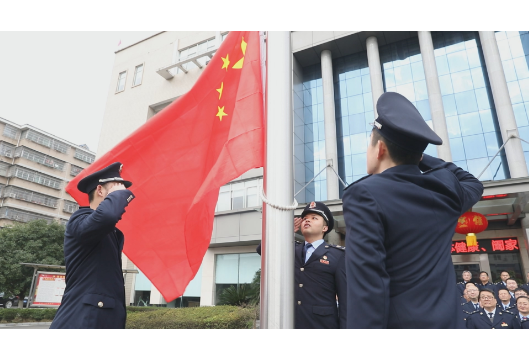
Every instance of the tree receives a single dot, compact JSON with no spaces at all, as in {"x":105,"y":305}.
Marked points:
{"x":243,"y":294}
{"x":31,"y":242}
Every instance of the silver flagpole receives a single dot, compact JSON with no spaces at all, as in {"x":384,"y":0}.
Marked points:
{"x":277,"y":262}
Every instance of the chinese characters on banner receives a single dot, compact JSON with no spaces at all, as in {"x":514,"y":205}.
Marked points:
{"x":499,"y":245}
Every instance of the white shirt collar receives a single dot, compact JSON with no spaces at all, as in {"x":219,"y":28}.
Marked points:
{"x":316,"y":244}
{"x":493,"y":312}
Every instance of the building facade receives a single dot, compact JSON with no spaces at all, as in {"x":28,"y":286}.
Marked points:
{"x":471,"y":87}
{"x":35,"y":168}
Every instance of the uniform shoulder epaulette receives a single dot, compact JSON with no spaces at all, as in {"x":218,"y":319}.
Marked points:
{"x":433,"y":169}
{"x":336,"y":246}
{"x":474,"y":312}
{"x":358,"y":180}
{"x":459,"y":282}
{"x":298,"y":242}
{"x":507,"y":311}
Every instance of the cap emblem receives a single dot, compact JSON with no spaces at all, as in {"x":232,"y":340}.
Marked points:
{"x":377,"y":125}
{"x":120,"y":169}
{"x":312,"y":205}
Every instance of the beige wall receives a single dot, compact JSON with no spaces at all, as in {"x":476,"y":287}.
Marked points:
{"x":129,"y":109}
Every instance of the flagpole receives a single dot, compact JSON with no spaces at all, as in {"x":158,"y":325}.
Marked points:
{"x":277,"y":262}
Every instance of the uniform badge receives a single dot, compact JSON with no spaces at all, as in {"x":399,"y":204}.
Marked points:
{"x":504,"y":324}
{"x":312,"y":205}
{"x":120,"y":169}
{"x":324,"y":261}
{"x":324,"y":257}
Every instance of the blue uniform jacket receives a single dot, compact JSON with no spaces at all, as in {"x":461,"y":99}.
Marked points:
{"x":461,"y":287}
{"x":501,"y":320}
{"x":94,"y":296}
{"x":469,"y":307}
{"x":399,"y":228}
{"x":317,"y":283}
{"x":524,"y":323}
{"x":488,"y":285}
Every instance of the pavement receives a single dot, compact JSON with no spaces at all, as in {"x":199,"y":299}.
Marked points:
{"x":36,"y":325}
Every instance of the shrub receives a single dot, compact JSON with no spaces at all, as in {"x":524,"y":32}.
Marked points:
{"x":10,"y":315}
{"x":219,"y":317}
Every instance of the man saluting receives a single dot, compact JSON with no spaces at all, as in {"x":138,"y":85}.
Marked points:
{"x":400,"y":222}
{"x":95,"y":295}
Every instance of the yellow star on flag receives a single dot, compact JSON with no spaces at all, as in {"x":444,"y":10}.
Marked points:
{"x":221,"y":113}
{"x":226,"y":62}
{"x":239,"y":63}
{"x":220,"y":89}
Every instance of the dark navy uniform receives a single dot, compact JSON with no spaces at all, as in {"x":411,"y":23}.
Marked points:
{"x":469,"y":307}
{"x":461,"y":287}
{"x":501,"y":320}
{"x":319,"y":281}
{"x":399,"y":228}
{"x":499,"y":285}
{"x":525,"y":286}
{"x":316,"y":284}
{"x":488,"y":285}
{"x":94,"y":296}
{"x":524,"y":323}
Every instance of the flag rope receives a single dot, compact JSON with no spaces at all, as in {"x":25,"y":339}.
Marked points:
{"x":501,"y":148}
{"x":295,"y":203}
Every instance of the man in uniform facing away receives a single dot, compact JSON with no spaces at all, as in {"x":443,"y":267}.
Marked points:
{"x":399,"y":226}
{"x":94,"y":296}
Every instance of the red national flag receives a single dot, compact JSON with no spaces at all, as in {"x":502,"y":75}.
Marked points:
{"x":178,"y":160}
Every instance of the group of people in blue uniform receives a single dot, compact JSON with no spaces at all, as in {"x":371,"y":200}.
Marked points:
{"x":409,"y":199}
{"x":486,"y":305}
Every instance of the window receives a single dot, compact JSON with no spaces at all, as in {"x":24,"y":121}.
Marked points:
{"x":121,"y":81}
{"x":239,"y":195}
{"x":234,"y":270}
{"x":6,"y":149}
{"x":11,"y":132}
{"x":29,"y":196}
{"x":83,"y":156}
{"x":36,"y":177}
{"x":22,"y":216}
{"x":40,"y":158}
{"x":70,"y":207}
{"x":74,"y":170}
{"x":138,"y":75}
{"x":46,"y":141}
{"x":468,"y":105}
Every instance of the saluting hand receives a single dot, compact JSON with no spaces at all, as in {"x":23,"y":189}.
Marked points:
{"x":116,"y":187}
{"x":297,"y":223}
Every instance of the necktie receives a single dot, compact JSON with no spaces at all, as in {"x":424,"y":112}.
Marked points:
{"x":490,"y":315}
{"x":476,"y":306}
{"x":305,"y":249}
{"x":524,"y":318}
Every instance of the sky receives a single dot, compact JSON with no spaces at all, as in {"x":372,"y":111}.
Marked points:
{"x":59,"y":81}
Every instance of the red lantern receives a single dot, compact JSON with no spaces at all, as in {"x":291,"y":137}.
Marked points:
{"x":471,"y":223}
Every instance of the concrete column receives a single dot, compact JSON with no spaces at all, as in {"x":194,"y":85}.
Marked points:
{"x":331,"y":149}
{"x":502,"y":101}
{"x":434,"y":94}
{"x":375,"y":70}
{"x":523,"y":243}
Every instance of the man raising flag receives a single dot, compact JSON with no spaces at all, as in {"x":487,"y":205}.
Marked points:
{"x":180,"y":158}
